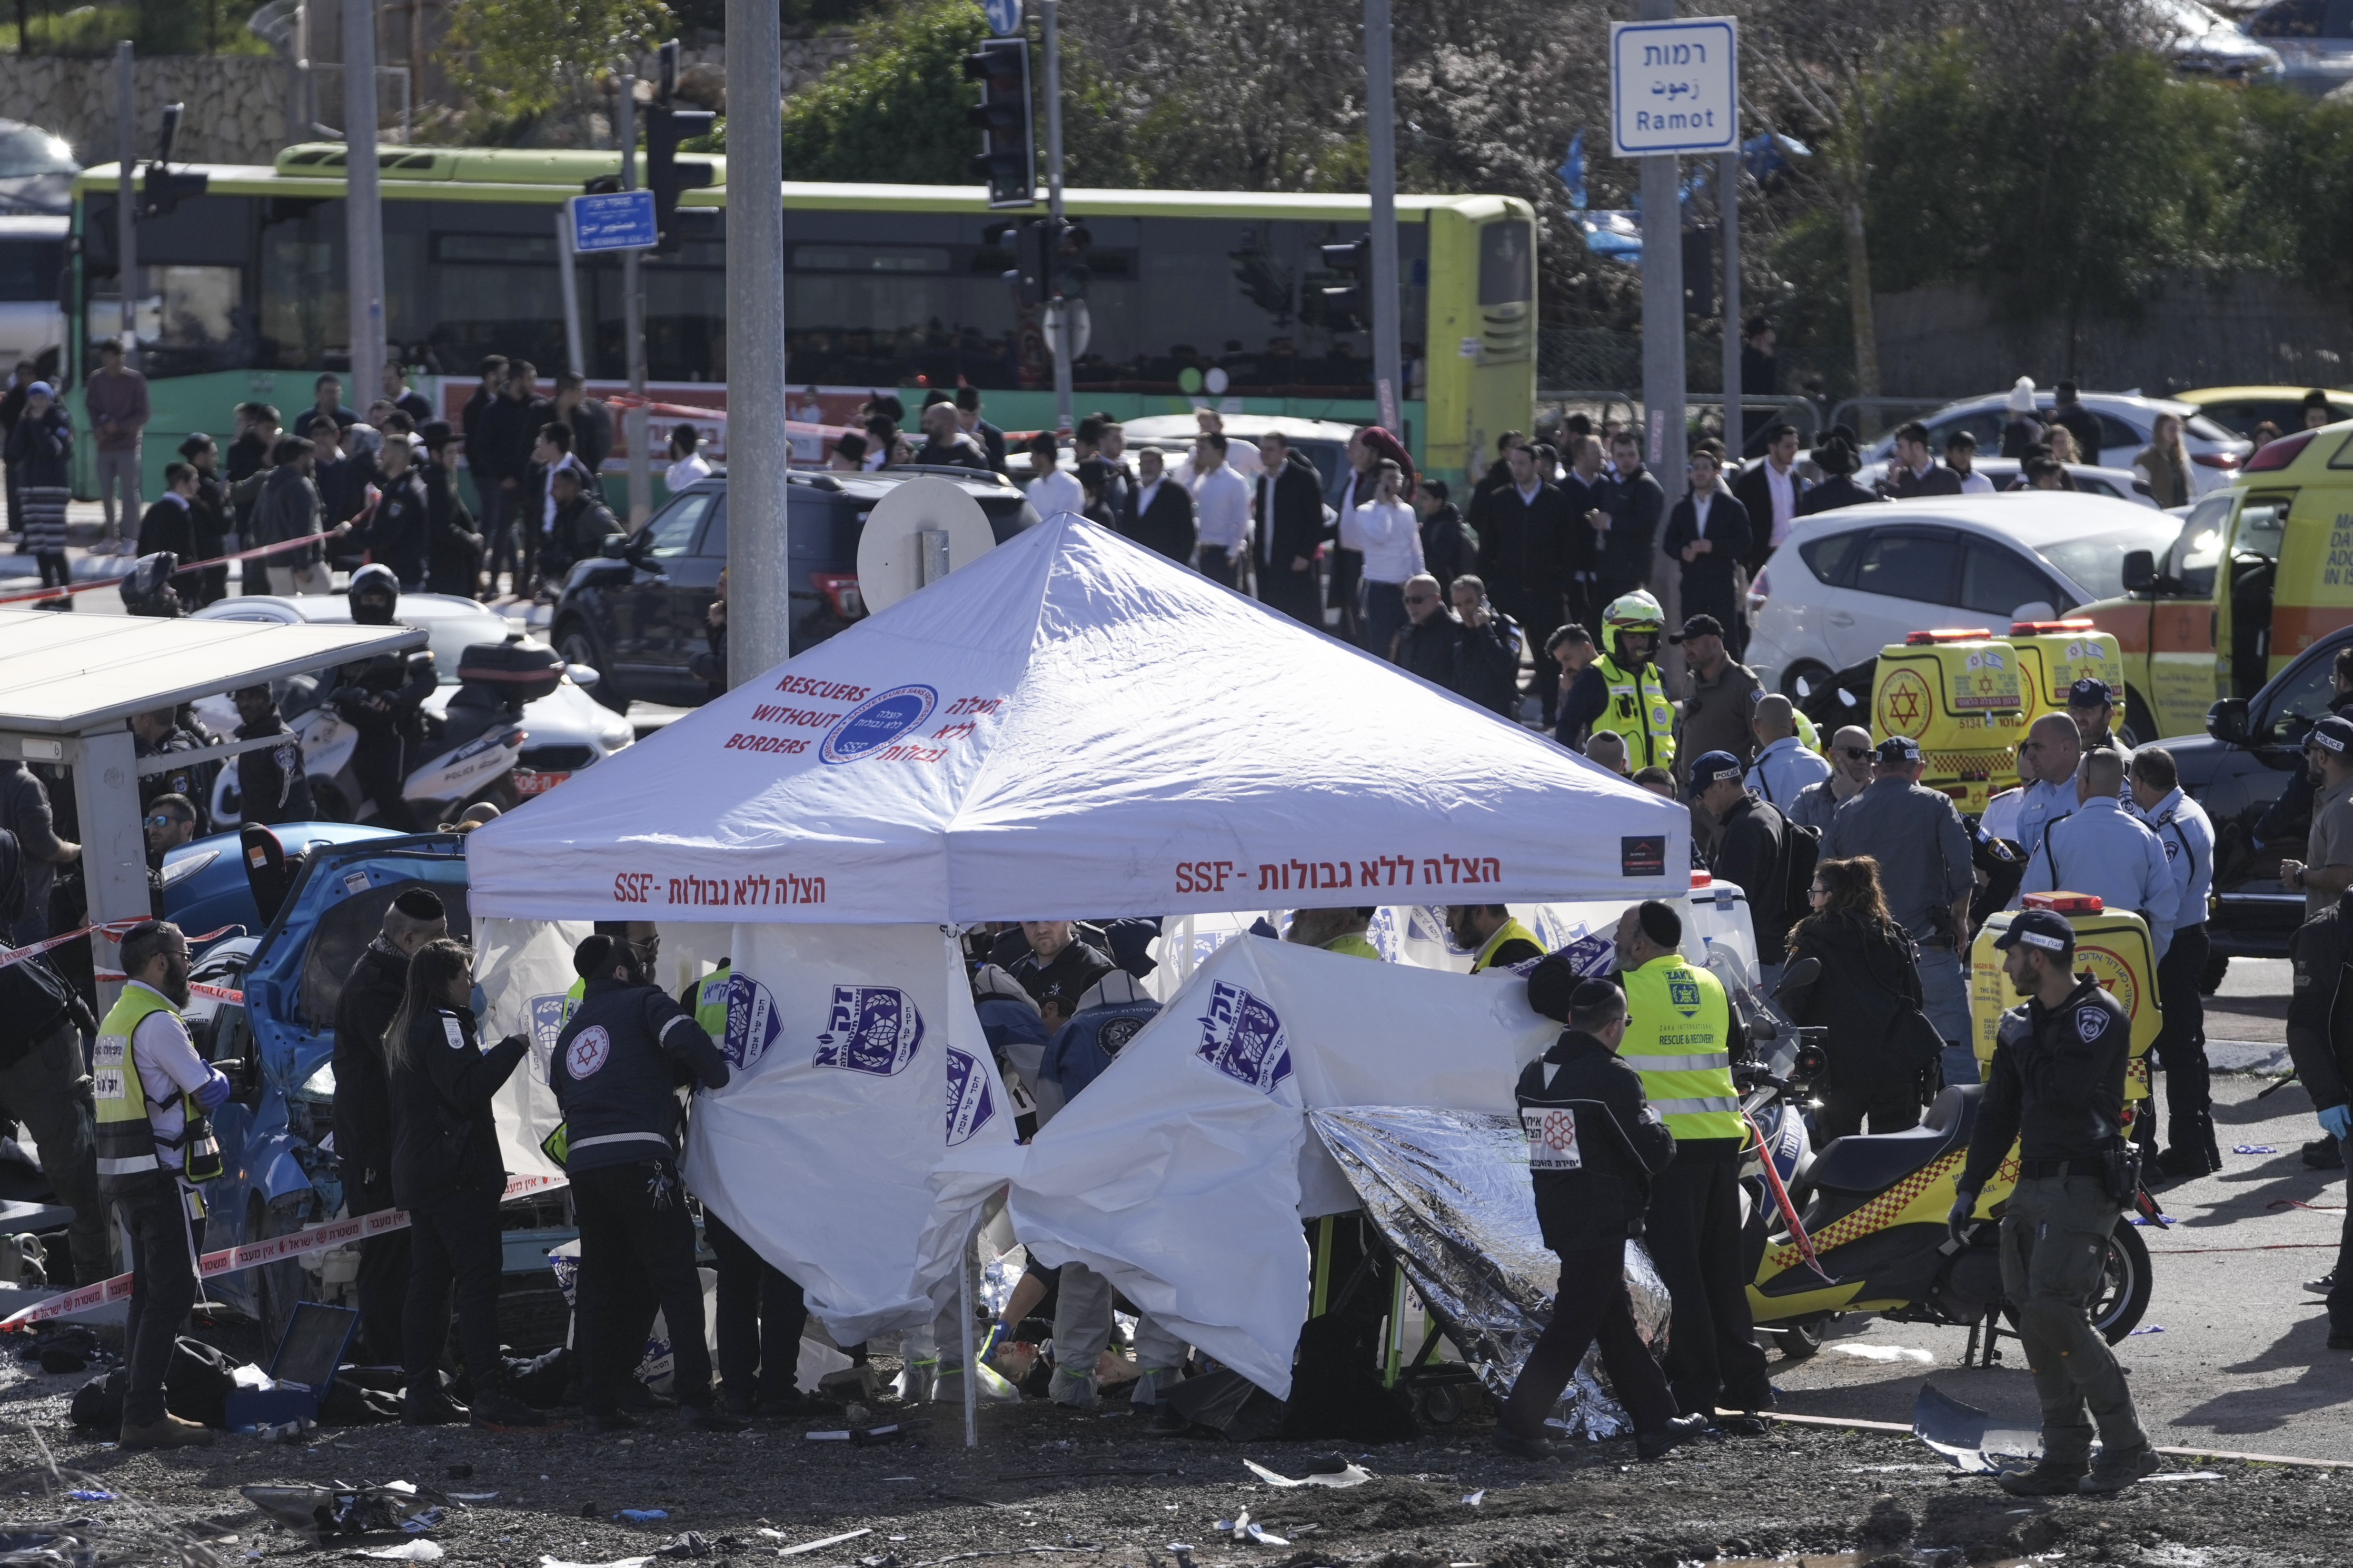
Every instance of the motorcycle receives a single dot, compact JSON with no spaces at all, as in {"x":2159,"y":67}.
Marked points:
{"x":471,"y":749}
{"x":1858,"y":1227}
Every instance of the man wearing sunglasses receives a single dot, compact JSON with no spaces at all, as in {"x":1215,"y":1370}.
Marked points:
{"x":1850,"y":760}
{"x":170,"y":822}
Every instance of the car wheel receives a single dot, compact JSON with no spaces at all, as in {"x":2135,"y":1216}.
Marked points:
{"x":2139,"y":727}
{"x":2217,"y":965}
{"x":573,"y":641}
{"x":1802,"y":680}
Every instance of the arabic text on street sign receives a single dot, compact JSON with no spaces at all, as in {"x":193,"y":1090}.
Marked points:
{"x":614,"y":220}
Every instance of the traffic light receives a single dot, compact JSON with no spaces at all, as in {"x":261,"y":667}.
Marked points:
{"x":1031,"y":262}
{"x":1067,"y":273}
{"x":1348,"y":306}
{"x":1007,"y":161}
{"x":665,"y":175}
{"x":160,"y":190}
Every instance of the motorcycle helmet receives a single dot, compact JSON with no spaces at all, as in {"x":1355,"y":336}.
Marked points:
{"x":1636,"y":612}
{"x":373,"y":595}
{"x":148,"y":590}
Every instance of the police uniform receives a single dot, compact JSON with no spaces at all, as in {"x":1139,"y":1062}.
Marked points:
{"x":1637,"y":709}
{"x":1595,"y":1147}
{"x":380,"y":698}
{"x":1111,"y":1013}
{"x":1679,"y":1039}
{"x":612,"y":1070}
{"x":2320,"y":1042}
{"x":2186,"y":835}
{"x":2105,"y":850}
{"x":2056,"y":1088}
{"x":145,"y":1137}
{"x":1512,"y":943}
{"x":2044,"y":802}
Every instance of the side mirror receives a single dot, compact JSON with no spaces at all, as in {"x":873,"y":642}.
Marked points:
{"x":1805,"y":972}
{"x":583,"y":676}
{"x":2140,"y":572}
{"x":615,"y":548}
{"x":2227,"y":722}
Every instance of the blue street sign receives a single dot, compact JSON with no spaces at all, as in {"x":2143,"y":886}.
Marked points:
{"x":615,"y":220}
{"x":1004,"y":17}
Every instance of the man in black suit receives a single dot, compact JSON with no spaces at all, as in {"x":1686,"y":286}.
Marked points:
{"x":991,"y":439}
{"x":1524,"y":553}
{"x":1770,"y":490}
{"x":1585,"y":488}
{"x":1708,"y":533}
{"x":1628,"y":515}
{"x":1497,"y":476}
{"x":1288,"y":502}
{"x":1164,"y":511}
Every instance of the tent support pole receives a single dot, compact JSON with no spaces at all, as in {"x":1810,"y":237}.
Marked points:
{"x":954,"y":954}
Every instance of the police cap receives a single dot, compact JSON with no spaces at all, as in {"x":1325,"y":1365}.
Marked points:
{"x":2044,"y":929}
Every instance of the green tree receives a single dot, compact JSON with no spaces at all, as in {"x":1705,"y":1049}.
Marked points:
{"x":523,"y":59}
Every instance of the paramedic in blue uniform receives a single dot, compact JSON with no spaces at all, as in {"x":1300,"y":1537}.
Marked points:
{"x":614,"y":1071}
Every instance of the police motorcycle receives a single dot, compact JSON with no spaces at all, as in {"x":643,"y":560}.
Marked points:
{"x":469,"y":752}
{"x":1858,"y":1227}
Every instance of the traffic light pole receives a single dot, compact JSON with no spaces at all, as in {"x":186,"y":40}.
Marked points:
{"x":126,"y":226}
{"x":1380,"y":113}
{"x":633,"y":326}
{"x":759,"y":452}
{"x":1057,"y":315}
{"x":363,"y":204}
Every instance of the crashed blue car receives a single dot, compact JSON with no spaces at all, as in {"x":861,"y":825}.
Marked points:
{"x":265,"y":1014}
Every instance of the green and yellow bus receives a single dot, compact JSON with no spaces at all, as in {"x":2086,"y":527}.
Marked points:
{"x":1196,"y":298}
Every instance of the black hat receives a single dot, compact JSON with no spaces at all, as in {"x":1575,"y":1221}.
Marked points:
{"x":421,"y":904}
{"x":2045,"y":928}
{"x":1897,"y":751}
{"x":197,"y":441}
{"x":1699,"y":626}
{"x":2332,"y":734}
{"x":2090,"y":692}
{"x":1591,"y":995}
{"x":1659,"y":922}
{"x":437,"y":432}
{"x":1714,"y":767}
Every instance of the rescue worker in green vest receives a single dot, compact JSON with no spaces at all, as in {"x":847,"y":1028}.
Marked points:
{"x":145,"y":1075}
{"x":1679,"y":1037}
{"x":1335,"y":930}
{"x":1489,"y":932}
{"x":1621,"y":692}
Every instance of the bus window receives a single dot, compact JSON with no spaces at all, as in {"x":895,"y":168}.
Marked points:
{"x":29,"y":268}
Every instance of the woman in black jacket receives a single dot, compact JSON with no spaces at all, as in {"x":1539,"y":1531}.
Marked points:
{"x":1867,"y":988}
{"x":446,"y":1172}
{"x":1594,"y":1143}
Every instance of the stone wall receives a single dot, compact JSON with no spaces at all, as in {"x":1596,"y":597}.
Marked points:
{"x":2243,"y":328}
{"x":236,"y":104}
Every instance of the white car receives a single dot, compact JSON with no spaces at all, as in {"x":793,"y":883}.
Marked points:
{"x":2089,"y":481}
{"x":1849,"y":582}
{"x":568,"y":730}
{"x":2201,"y":41}
{"x":2125,"y":418}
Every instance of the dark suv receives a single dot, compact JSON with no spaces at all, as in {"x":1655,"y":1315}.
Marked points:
{"x":636,"y":614}
{"x":2250,"y":748}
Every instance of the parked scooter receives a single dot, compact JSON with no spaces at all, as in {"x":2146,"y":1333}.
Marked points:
{"x":1869,"y":1233}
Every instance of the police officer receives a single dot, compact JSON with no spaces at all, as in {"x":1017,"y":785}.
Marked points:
{"x":145,"y":1074}
{"x":1057,"y":969}
{"x":2320,"y":1042}
{"x":1679,"y":1039}
{"x":380,"y":698}
{"x":1926,"y":875}
{"x":271,"y":787}
{"x":1114,"y":1011}
{"x":1748,"y":852}
{"x":2052,"y":748}
{"x":2102,"y":849}
{"x":613,"y":1071}
{"x":2187,"y":835}
{"x":1620,"y":690}
{"x":1595,"y":1146}
{"x":2091,"y":708}
{"x":2056,"y":1088}
{"x":1498,"y":941}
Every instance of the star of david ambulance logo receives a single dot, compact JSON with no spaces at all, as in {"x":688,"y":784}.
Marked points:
{"x":1904,"y":704}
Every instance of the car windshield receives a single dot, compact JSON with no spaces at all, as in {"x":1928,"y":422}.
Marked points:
{"x":2095,"y":563}
{"x":24,"y":150}
{"x":2199,"y":549}
{"x":2206,"y":429}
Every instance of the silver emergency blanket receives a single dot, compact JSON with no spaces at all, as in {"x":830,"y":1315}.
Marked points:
{"x":1450,"y":1190}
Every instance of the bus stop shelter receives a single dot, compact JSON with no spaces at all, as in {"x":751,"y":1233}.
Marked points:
{"x":69,"y":683}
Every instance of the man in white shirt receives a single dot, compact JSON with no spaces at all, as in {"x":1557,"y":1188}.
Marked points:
{"x":1054,"y":491}
{"x":1241,"y":457}
{"x":1784,"y":768}
{"x":687,"y":463}
{"x":1389,"y":534}
{"x":1770,"y":490}
{"x":1961,"y":455}
{"x":1221,"y":506}
{"x":144,"y":1074}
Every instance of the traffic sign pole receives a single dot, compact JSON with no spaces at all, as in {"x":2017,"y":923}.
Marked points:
{"x":633,"y":308}
{"x":362,"y":205}
{"x":1664,"y":390}
{"x":759,"y":452}
{"x":1728,"y":211}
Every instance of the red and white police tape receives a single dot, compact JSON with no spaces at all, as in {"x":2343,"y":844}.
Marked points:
{"x":253,"y":1254}
{"x":115,"y":931}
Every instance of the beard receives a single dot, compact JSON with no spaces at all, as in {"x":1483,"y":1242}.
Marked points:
{"x":176,"y":982}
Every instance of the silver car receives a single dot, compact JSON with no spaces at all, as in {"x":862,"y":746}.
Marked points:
{"x":2126,"y":420}
{"x":2313,"y":39}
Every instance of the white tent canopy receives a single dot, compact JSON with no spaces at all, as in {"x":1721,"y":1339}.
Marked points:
{"x":1073,"y":725}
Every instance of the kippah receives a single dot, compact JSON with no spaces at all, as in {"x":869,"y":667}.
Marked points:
{"x":421,"y":904}
{"x":1660,"y":923}
{"x":593,"y":957}
{"x":1593,"y":995}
